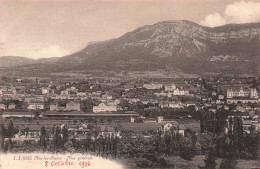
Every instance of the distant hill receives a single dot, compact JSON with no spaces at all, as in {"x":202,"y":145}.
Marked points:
{"x":11,"y":61}
{"x":172,"y":45}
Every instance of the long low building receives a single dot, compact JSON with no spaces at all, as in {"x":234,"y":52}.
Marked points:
{"x":242,"y":100}
{"x":82,"y":114}
{"x":18,"y":114}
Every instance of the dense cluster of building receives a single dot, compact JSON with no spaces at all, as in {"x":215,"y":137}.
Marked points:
{"x":129,"y":100}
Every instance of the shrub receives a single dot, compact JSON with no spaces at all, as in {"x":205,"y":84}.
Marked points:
{"x":163,"y":163}
{"x":186,"y":153}
{"x":151,"y":157}
{"x":144,"y":164}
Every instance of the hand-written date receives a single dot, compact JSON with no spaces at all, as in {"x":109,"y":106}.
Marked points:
{"x":82,"y":164}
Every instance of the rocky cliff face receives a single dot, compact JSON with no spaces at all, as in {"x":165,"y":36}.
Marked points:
{"x":181,"y":45}
{"x":165,"y":39}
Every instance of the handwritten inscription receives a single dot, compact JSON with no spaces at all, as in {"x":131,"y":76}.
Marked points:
{"x":82,"y":164}
{"x":52,"y":161}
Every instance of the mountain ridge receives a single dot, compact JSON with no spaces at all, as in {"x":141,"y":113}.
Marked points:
{"x":180,"y":45}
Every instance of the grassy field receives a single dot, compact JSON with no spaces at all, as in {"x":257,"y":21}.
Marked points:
{"x":190,"y":124}
{"x":140,"y":127}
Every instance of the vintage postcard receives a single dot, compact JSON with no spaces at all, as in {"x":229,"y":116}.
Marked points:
{"x":129,"y":84}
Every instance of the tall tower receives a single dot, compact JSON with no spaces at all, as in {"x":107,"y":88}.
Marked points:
{"x":253,"y":93}
{"x":229,"y":93}
{"x":241,"y":92}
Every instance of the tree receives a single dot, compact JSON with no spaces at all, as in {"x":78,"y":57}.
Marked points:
{"x":237,"y":135}
{"x":193,"y":143}
{"x":10,"y":131}
{"x":94,"y":120}
{"x":167,"y":140}
{"x":88,"y":142}
{"x":109,"y":120}
{"x":2,"y":137}
{"x":221,"y":117}
{"x":203,"y":122}
{"x":65,"y":134}
{"x":229,"y":162}
{"x":69,"y":146}
{"x":95,"y":134}
{"x":254,"y":145}
{"x":101,"y":120}
{"x":83,"y":87}
{"x":230,"y":130}
{"x":163,"y":163}
{"x":5,"y":79}
{"x":221,"y":143}
{"x":115,"y":146}
{"x":186,"y":151}
{"x":210,"y":161}
{"x":57,"y":138}
{"x":124,"y":104}
{"x":43,"y":138}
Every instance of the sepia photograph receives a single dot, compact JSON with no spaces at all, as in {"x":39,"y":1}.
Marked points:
{"x":130,"y":84}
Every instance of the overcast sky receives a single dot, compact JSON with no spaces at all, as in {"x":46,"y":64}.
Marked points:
{"x":54,"y":28}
